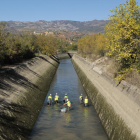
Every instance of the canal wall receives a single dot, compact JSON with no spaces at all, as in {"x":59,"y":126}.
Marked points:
{"x":62,"y":56}
{"x":66,"y":55}
{"x":118,"y":113}
{"x":23,"y":89}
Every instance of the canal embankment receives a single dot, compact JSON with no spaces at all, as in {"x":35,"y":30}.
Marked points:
{"x":23,"y":89}
{"x":80,"y":123}
{"x":118,"y":112}
{"x":66,"y":55}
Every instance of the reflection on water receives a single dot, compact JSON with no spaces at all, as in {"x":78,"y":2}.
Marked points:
{"x":67,"y":118}
{"x":80,"y":123}
{"x":86,"y":113}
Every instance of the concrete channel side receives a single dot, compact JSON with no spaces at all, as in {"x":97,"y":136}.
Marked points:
{"x":117,"y":125}
{"x":63,"y":56}
{"x":22,"y":92}
{"x":66,"y":55}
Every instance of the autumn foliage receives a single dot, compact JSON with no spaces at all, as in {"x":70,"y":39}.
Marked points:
{"x":123,"y":36}
{"x":18,"y":47}
{"x":121,"y":40}
{"x":92,"y":44}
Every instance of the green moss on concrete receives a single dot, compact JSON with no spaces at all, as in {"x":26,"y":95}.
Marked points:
{"x":18,"y":117}
{"x":114,"y":126}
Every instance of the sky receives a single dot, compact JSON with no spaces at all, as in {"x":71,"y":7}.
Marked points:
{"x":50,"y":10}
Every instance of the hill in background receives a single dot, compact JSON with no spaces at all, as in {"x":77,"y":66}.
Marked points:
{"x":63,"y":25}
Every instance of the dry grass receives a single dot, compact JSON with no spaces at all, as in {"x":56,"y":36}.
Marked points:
{"x":113,"y":67}
{"x":92,"y":57}
{"x":133,"y":78}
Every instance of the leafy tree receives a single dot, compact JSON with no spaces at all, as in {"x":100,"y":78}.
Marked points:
{"x":48,"y":44}
{"x":3,"y":36}
{"x":72,"y":46}
{"x":123,"y":33}
{"x":92,"y":45}
{"x":63,"y":44}
{"x":16,"y":47}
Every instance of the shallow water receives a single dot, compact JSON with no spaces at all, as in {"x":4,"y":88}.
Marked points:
{"x":80,"y":123}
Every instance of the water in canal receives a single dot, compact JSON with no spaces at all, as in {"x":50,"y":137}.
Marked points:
{"x":80,"y":123}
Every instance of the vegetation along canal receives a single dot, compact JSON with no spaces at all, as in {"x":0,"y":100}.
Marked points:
{"x":80,"y":123}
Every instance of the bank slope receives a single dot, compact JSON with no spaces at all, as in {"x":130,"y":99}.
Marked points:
{"x":22,"y":92}
{"x":118,"y":113}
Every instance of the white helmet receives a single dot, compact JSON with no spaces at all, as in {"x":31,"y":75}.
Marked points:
{"x":56,"y":93}
{"x":67,"y":99}
{"x":50,"y":94}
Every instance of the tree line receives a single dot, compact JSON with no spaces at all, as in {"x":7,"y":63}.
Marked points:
{"x":16,"y":47}
{"x":120,"y":41}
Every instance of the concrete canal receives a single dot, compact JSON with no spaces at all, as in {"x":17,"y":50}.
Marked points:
{"x":79,"y":123}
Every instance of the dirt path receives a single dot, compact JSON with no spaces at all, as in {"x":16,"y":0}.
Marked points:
{"x":127,"y":109}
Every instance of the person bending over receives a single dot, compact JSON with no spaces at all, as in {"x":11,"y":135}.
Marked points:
{"x":68,"y":104}
{"x":81,"y":98}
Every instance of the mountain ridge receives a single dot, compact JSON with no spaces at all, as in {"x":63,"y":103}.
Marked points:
{"x":69,"y":25}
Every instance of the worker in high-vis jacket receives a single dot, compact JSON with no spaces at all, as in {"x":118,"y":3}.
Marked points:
{"x":81,"y":99}
{"x":56,"y":98}
{"x":68,"y":104}
{"x":86,"y":101}
{"x":65,"y":98}
{"x":50,"y":99}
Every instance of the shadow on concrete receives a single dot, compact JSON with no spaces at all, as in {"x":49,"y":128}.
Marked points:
{"x":24,"y":67}
{"x":12,"y":124}
{"x":69,"y":55}
{"x":46,"y":60}
{"x":55,"y":59}
{"x":11,"y":76}
{"x":13,"y":107}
